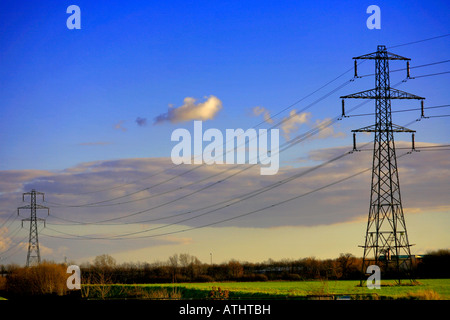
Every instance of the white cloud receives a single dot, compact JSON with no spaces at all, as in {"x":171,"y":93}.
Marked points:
{"x":266,"y":114}
{"x":327,"y":130}
{"x":5,"y":240}
{"x":190,"y":110}
{"x":293,"y":122}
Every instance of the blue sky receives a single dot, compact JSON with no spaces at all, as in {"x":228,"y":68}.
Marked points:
{"x":132,"y":59}
{"x":70,"y":97}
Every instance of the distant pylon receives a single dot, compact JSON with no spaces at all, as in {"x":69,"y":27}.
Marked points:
{"x":33,"y":256}
{"x":386,"y":241}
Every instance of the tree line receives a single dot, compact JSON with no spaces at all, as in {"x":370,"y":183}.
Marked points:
{"x":187,"y":268}
{"x":50,"y":278}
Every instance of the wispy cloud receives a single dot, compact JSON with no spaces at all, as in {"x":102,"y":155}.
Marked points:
{"x":5,"y":240}
{"x":266,"y":114}
{"x":190,"y":110}
{"x":141,"y":122}
{"x":178,"y":240}
{"x":427,"y":190}
{"x":293,"y":122}
{"x":289,"y":124}
{"x":424,"y":179}
{"x":119,"y":126}
{"x":327,"y":130}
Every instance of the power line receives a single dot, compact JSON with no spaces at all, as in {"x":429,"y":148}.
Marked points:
{"x":16,"y":247}
{"x":12,"y":215}
{"x":403,"y":69}
{"x":194,"y":192}
{"x":398,"y":111}
{"x":254,"y":211}
{"x":422,"y":148}
{"x":290,"y":106}
{"x":257,"y":125}
{"x":418,"y":41}
{"x":439,"y":116}
{"x":254,"y":193}
{"x":13,"y":232}
{"x":241,"y":199}
{"x":118,"y":237}
{"x":431,"y":75}
{"x":217,"y":222}
{"x":287,"y":145}
{"x":199,"y":166}
{"x":410,"y":43}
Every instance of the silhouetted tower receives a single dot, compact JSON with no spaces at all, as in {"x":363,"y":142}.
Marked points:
{"x":386,"y":241}
{"x":33,"y":256}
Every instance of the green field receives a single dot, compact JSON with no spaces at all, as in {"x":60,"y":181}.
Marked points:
{"x":426,"y":289}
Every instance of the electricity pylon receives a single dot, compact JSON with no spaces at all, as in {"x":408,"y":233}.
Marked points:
{"x":33,"y":256}
{"x":386,"y":240}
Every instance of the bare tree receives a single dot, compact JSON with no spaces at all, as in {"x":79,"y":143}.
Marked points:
{"x":173,"y":263}
{"x":345,"y":262}
{"x":235,"y":268}
{"x":104,"y":261}
{"x":102,"y":283}
{"x":184,"y":259}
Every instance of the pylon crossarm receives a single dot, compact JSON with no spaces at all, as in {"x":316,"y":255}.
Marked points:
{"x":375,"y":128}
{"x":366,"y":94}
{"x":387,"y":56}
{"x":38,"y":206}
{"x":371,"y":128}
{"x":375,"y":94}
{"x":397,"y":128}
{"x":399,"y":94}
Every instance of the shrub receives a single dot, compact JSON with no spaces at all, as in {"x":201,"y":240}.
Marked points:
{"x":218,"y":294}
{"x":47,"y":278}
{"x":2,"y":283}
{"x":423,"y":295}
{"x":291,"y":277}
{"x":158,"y":294}
{"x":204,"y":278}
{"x":181,"y":278}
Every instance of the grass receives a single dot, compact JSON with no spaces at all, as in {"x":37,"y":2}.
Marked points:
{"x":427,"y":289}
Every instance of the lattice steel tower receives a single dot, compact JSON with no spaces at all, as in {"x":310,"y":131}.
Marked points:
{"x":33,"y":256}
{"x":386,"y":241}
